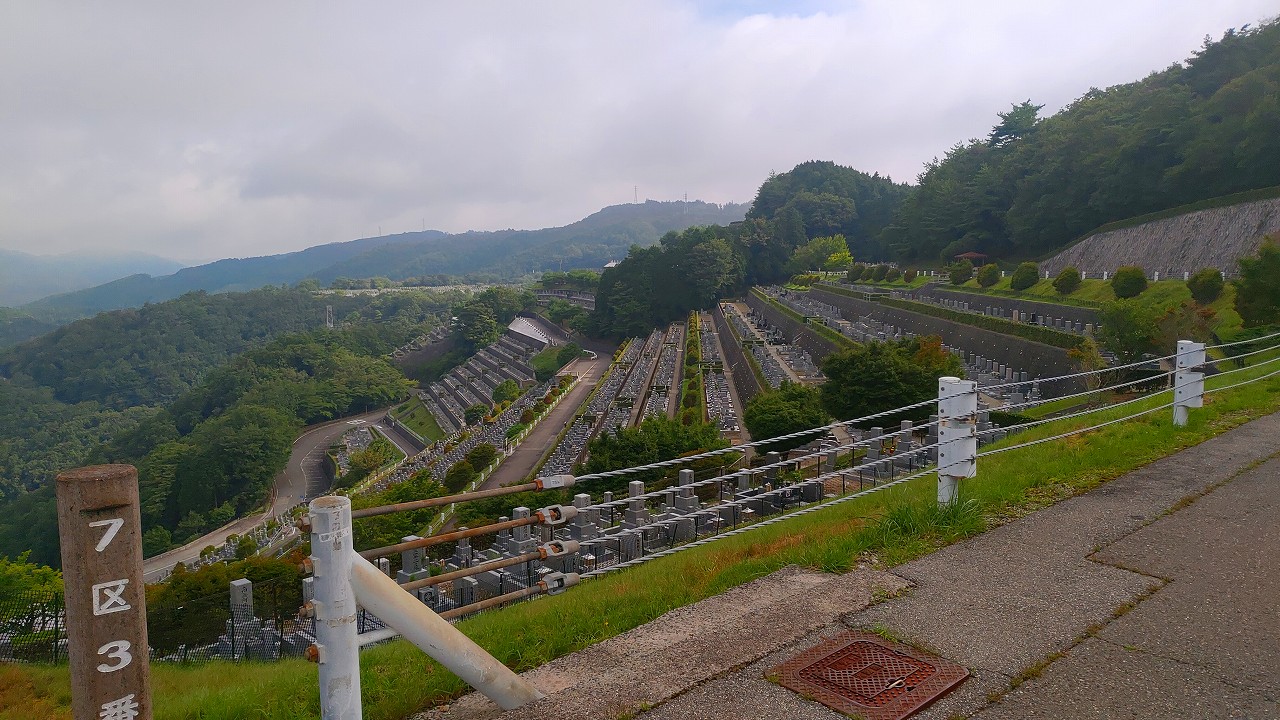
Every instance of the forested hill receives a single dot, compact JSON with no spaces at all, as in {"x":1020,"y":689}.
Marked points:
{"x":588,"y":243}
{"x":1201,"y":129}
{"x":174,"y":378}
{"x":236,"y":274}
{"x":25,"y":277}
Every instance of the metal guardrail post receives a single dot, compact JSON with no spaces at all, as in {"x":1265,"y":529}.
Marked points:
{"x":957,"y":435}
{"x":337,"y":648}
{"x":343,"y":578}
{"x":1188,"y":384}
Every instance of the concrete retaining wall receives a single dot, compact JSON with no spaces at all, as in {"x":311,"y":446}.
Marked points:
{"x":796,"y":332}
{"x":1006,"y":306}
{"x":1035,"y":358}
{"x":744,"y":380}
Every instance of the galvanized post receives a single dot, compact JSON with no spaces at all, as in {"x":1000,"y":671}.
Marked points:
{"x":957,"y":435}
{"x":1188,"y":385}
{"x":100,"y":531}
{"x":337,"y":647}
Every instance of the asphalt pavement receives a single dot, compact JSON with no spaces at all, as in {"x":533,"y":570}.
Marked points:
{"x":303,"y":477}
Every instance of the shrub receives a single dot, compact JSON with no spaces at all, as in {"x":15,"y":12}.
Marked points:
{"x":908,"y":275}
{"x":1067,"y":281}
{"x":1129,"y":282}
{"x":989,"y":275}
{"x":1206,"y":285}
{"x":879,"y":272}
{"x":893,"y":274}
{"x":1027,"y":274}
{"x":960,"y":272}
{"x":856,"y":272}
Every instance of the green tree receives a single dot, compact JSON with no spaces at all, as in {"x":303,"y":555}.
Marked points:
{"x":839,"y":260}
{"x":879,"y":376}
{"x":477,"y":324}
{"x":879,"y":272}
{"x":960,"y":272}
{"x":459,"y":476}
{"x":1067,"y":281}
{"x":1128,"y":329}
{"x":156,"y":540}
{"x":246,"y":547}
{"x":1257,"y":291}
{"x":474,"y":414}
{"x":893,"y":274}
{"x":568,"y":353}
{"x":989,"y":275}
{"x":506,"y":390}
{"x":1026,"y":275}
{"x":21,"y":579}
{"x":856,"y":272}
{"x":791,"y":408}
{"x":1206,"y":285}
{"x":1129,"y":282}
{"x":482,"y":455}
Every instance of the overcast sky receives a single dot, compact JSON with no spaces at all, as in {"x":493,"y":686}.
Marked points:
{"x":229,"y":129}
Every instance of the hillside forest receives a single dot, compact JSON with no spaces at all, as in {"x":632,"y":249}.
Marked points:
{"x":205,"y":392}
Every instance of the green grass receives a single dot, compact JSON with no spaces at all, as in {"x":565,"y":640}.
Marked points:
{"x":895,"y":525}
{"x":418,"y":418}
{"x":1093,"y":293}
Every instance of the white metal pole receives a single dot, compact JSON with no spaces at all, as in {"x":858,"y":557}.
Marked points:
{"x":1188,"y":385}
{"x":335,"y":608}
{"x":957,"y":435}
{"x":381,"y":595}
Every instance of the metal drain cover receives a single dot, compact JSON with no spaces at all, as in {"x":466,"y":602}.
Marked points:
{"x":860,"y":673}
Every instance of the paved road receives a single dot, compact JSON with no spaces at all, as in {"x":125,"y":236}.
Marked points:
{"x":302,"y":477}
{"x":522,"y":462}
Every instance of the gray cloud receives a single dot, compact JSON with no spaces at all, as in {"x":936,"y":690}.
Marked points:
{"x":231,"y":129}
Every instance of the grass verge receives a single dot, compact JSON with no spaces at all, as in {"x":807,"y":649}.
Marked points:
{"x":892,"y":526}
{"x":418,"y":418}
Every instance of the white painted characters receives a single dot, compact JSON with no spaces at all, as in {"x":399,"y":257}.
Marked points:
{"x":124,"y":708}
{"x":117,"y":650}
{"x":108,"y":597}
{"x":113,"y":526}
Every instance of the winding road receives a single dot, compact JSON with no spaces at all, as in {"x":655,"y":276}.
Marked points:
{"x":303,"y":477}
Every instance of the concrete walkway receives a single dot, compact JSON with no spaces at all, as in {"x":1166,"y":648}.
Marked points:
{"x":1153,"y":596}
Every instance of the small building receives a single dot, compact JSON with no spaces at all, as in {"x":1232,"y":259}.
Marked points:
{"x":976,"y":258}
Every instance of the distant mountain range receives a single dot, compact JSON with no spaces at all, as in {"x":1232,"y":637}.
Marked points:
{"x":25,"y":277}
{"x":590,"y":242}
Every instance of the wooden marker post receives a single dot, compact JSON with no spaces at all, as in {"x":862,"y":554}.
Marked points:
{"x":101,"y":535}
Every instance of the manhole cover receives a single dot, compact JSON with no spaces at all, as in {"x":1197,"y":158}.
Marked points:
{"x":859,"y":673}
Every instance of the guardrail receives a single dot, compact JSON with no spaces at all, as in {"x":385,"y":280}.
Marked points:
{"x":743,"y":501}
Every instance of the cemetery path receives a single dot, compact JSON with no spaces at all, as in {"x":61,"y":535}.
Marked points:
{"x":1151,"y":596}
{"x":290,"y":487}
{"x":520,"y":463}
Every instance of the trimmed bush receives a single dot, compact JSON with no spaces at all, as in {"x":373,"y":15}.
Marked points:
{"x":1129,"y":282}
{"x":960,"y":272}
{"x":1027,"y":274}
{"x":908,"y":275}
{"x":989,"y":275}
{"x":879,"y":272}
{"x":1206,"y":285}
{"x":893,"y":274}
{"x":1067,"y":281}
{"x":856,"y":272}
